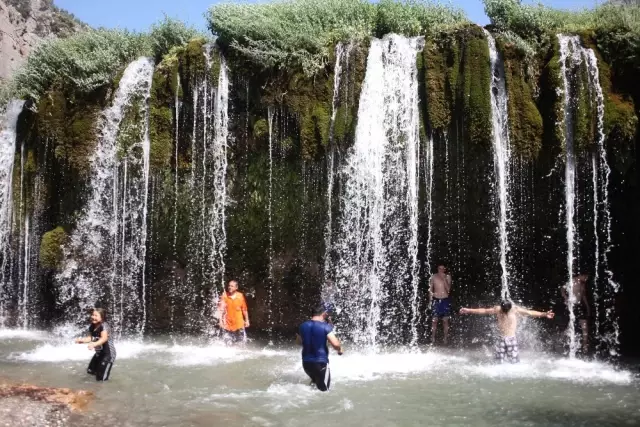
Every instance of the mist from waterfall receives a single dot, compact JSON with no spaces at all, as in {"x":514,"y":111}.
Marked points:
{"x":377,"y":266}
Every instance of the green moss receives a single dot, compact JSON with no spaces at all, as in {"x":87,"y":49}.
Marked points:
{"x":343,"y":125}
{"x":476,"y":101}
{"x":163,"y":93}
{"x":584,"y":119}
{"x":193,"y":56}
{"x":525,"y":121}
{"x":261,"y":129}
{"x":439,"y":105}
{"x":553,"y":102}
{"x":51,"y":248}
{"x":30,"y":165}
{"x":132,"y":127}
{"x":69,"y":123}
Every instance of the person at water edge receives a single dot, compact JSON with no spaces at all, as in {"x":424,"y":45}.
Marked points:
{"x":233,"y":314}
{"x":581,"y":308}
{"x":507,"y":314}
{"x":101,"y":341}
{"x":313,"y":336}
{"x":440,"y":303}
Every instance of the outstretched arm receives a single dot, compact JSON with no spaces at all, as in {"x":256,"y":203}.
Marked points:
{"x":335,"y":342}
{"x":481,"y":311}
{"x":548,"y":314}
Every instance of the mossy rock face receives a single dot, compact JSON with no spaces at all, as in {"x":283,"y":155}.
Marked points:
{"x":525,"y":121}
{"x":457,"y":82}
{"x":193,"y":57}
{"x":51,"y":248}
{"x":162,"y":102}
{"x":70,"y":124}
{"x":552,"y":104}
{"x":261,"y":129}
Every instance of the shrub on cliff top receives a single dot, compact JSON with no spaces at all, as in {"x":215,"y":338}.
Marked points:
{"x":301,"y":33}
{"x":90,"y":59}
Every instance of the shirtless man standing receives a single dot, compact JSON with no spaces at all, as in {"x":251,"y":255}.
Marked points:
{"x":507,"y":344}
{"x":581,"y":308}
{"x":440,"y":303}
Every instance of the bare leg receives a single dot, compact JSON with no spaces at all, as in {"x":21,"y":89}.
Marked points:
{"x":585,"y":335}
{"x":434,"y":329}
{"x":445,"y":327}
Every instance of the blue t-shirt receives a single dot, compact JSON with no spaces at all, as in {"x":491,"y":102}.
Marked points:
{"x":314,"y":341}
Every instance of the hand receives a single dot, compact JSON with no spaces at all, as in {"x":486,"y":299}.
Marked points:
{"x":91,"y":346}
{"x":246,"y":323}
{"x":549,"y":314}
{"x":79,"y":340}
{"x":340,"y":352}
{"x":464,"y":310}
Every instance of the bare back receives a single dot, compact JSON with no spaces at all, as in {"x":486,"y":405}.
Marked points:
{"x":579,"y":289}
{"x":440,"y":285}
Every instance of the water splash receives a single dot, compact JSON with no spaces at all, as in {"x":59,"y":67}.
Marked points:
{"x":105,"y":259}
{"x":501,"y":155}
{"x":8,"y":127}
{"x":377,"y":250}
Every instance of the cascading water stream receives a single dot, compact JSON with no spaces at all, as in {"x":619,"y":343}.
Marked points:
{"x":270,"y":114}
{"x":110,"y":238}
{"x":573,"y":56}
{"x":8,"y":127}
{"x":376,"y":267}
{"x":501,"y":155}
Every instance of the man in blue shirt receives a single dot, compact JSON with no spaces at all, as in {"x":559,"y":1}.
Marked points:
{"x":313,"y":336}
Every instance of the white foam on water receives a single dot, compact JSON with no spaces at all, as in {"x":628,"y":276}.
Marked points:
{"x":217,"y":353}
{"x":23,"y":334}
{"x":69,"y":351}
{"x":572,"y":370}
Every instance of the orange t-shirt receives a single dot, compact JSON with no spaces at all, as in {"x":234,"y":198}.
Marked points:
{"x":232,"y":309}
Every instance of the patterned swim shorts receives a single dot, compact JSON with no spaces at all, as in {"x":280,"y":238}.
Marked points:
{"x":507,"y":348}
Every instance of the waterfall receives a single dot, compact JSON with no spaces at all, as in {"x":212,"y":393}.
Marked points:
{"x":269,"y":301}
{"x":376,"y":266}
{"x":501,"y":155}
{"x":105,"y":259}
{"x":601,"y":172}
{"x":8,"y":126}
{"x":574,"y":58}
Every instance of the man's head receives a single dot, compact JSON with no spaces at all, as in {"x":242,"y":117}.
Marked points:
{"x":442,"y":269}
{"x":232,"y":287}
{"x":506,"y":305}
{"x":320,"y":310}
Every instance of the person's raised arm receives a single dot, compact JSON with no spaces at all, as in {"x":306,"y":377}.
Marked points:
{"x":548,"y":314}
{"x":335,"y":343}
{"x":481,"y":311}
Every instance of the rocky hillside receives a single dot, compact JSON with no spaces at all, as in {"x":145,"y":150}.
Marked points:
{"x":25,"y":23}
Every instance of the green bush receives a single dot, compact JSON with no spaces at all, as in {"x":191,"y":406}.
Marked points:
{"x":302,"y":33}
{"x":168,"y":34}
{"x":291,"y":33}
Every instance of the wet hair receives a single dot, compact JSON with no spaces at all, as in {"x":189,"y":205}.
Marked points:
{"x":102,"y":312}
{"x":505,"y":305}
{"x":319,"y":310}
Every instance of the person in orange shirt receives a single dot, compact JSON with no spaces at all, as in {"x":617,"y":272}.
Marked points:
{"x":233,"y":314}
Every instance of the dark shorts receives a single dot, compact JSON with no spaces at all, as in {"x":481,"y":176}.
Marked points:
{"x":100,"y":366}
{"x":441,"y":307}
{"x":234,"y":337}
{"x":319,"y":374}
{"x":507,"y":349}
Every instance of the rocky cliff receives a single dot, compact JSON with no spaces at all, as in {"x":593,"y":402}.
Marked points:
{"x":24,"y":24}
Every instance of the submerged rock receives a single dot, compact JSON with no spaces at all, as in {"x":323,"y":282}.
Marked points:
{"x":29,"y":405}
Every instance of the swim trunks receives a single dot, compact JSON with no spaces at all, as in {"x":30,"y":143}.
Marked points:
{"x":441,"y":307}
{"x":100,"y":366}
{"x":234,"y":337}
{"x":507,"y":349}
{"x":319,"y":374}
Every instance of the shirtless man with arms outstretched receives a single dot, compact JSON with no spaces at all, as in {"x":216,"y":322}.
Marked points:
{"x":507,"y":314}
{"x":440,"y":303}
